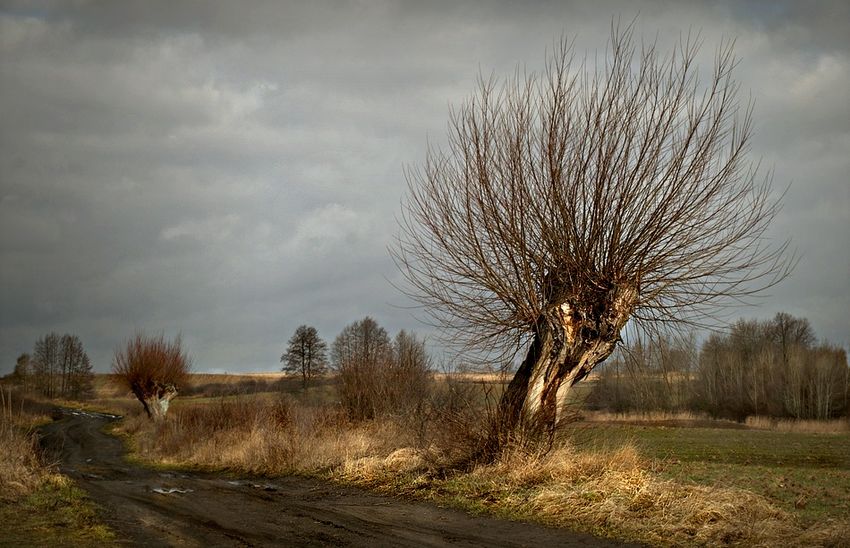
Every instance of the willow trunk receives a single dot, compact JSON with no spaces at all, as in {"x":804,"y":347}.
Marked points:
{"x":569,"y":341}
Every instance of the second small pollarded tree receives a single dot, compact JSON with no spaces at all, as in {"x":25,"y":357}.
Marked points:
{"x":306,"y":354}
{"x":569,"y":204}
{"x":153,"y":368}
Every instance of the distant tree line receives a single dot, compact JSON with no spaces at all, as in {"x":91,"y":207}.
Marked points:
{"x":376,"y":375}
{"x":760,"y":367}
{"x":57,"y":368}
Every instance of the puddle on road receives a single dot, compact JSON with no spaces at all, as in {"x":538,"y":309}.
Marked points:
{"x":92,"y":414}
{"x":170,"y":475}
{"x":171,"y":490}
{"x":263,"y":486}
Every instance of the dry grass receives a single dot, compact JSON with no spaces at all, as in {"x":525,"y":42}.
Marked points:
{"x":200,"y":379}
{"x":798,"y":426}
{"x":45,"y":507}
{"x":615,"y":490}
{"x":636,"y":417}
{"x":835,"y":426}
{"x":491,"y":377}
{"x":259,"y":436}
{"x":21,"y":470}
{"x":612,"y":492}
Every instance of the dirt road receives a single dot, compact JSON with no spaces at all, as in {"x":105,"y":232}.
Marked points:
{"x":153,"y":508}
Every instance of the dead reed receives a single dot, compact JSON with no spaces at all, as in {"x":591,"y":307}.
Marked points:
{"x":798,"y":426}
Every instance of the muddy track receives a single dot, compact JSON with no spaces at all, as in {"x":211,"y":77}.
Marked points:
{"x":153,"y":508}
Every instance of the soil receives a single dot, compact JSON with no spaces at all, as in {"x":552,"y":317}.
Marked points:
{"x":155,"y":508}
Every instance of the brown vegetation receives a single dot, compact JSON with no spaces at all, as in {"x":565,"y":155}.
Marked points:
{"x":690,"y":419}
{"x":376,"y":376}
{"x":153,"y":369}
{"x":21,"y":469}
{"x":38,"y":505}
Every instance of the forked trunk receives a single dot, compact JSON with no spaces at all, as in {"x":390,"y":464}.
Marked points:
{"x":569,"y":341}
{"x":156,"y":400}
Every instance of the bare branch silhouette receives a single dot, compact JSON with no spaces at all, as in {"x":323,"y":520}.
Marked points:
{"x":568,"y":203}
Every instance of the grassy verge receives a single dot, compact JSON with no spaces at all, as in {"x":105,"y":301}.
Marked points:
{"x":609,"y":492}
{"x":54,"y":513}
{"x":39,"y":506}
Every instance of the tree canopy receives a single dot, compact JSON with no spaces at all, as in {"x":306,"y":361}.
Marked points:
{"x":566,"y":204}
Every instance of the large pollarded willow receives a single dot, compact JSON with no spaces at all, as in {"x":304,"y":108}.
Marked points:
{"x":566,"y":204}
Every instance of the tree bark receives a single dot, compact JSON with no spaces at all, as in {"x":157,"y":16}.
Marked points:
{"x":156,"y":400}
{"x":569,"y":341}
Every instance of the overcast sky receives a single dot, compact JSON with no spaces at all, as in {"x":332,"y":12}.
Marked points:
{"x":230,"y":170}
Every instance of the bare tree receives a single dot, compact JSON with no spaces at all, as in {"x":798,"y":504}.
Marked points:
{"x":379,"y":377}
{"x":60,"y":367}
{"x":408,"y":380}
{"x":47,"y":364}
{"x":360,"y":354}
{"x":650,"y":373}
{"x":22,"y":373}
{"x":773,"y":367}
{"x":153,"y":369}
{"x":307,"y":354}
{"x":567,"y":204}
{"x":76,"y":375}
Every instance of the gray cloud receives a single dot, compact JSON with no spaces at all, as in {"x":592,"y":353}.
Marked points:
{"x":231,"y":170}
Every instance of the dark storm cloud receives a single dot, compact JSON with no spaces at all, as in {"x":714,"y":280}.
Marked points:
{"x":231,"y":170}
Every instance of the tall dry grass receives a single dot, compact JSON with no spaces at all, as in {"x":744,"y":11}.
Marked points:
{"x":615,"y":490}
{"x":800,"y":426}
{"x":21,"y":468}
{"x":797,"y":426}
{"x":260,"y":436}
{"x":611,"y":493}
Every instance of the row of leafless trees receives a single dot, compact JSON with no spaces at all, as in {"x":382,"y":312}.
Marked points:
{"x":58,"y":367}
{"x":376,"y":375}
{"x":774,"y":367}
